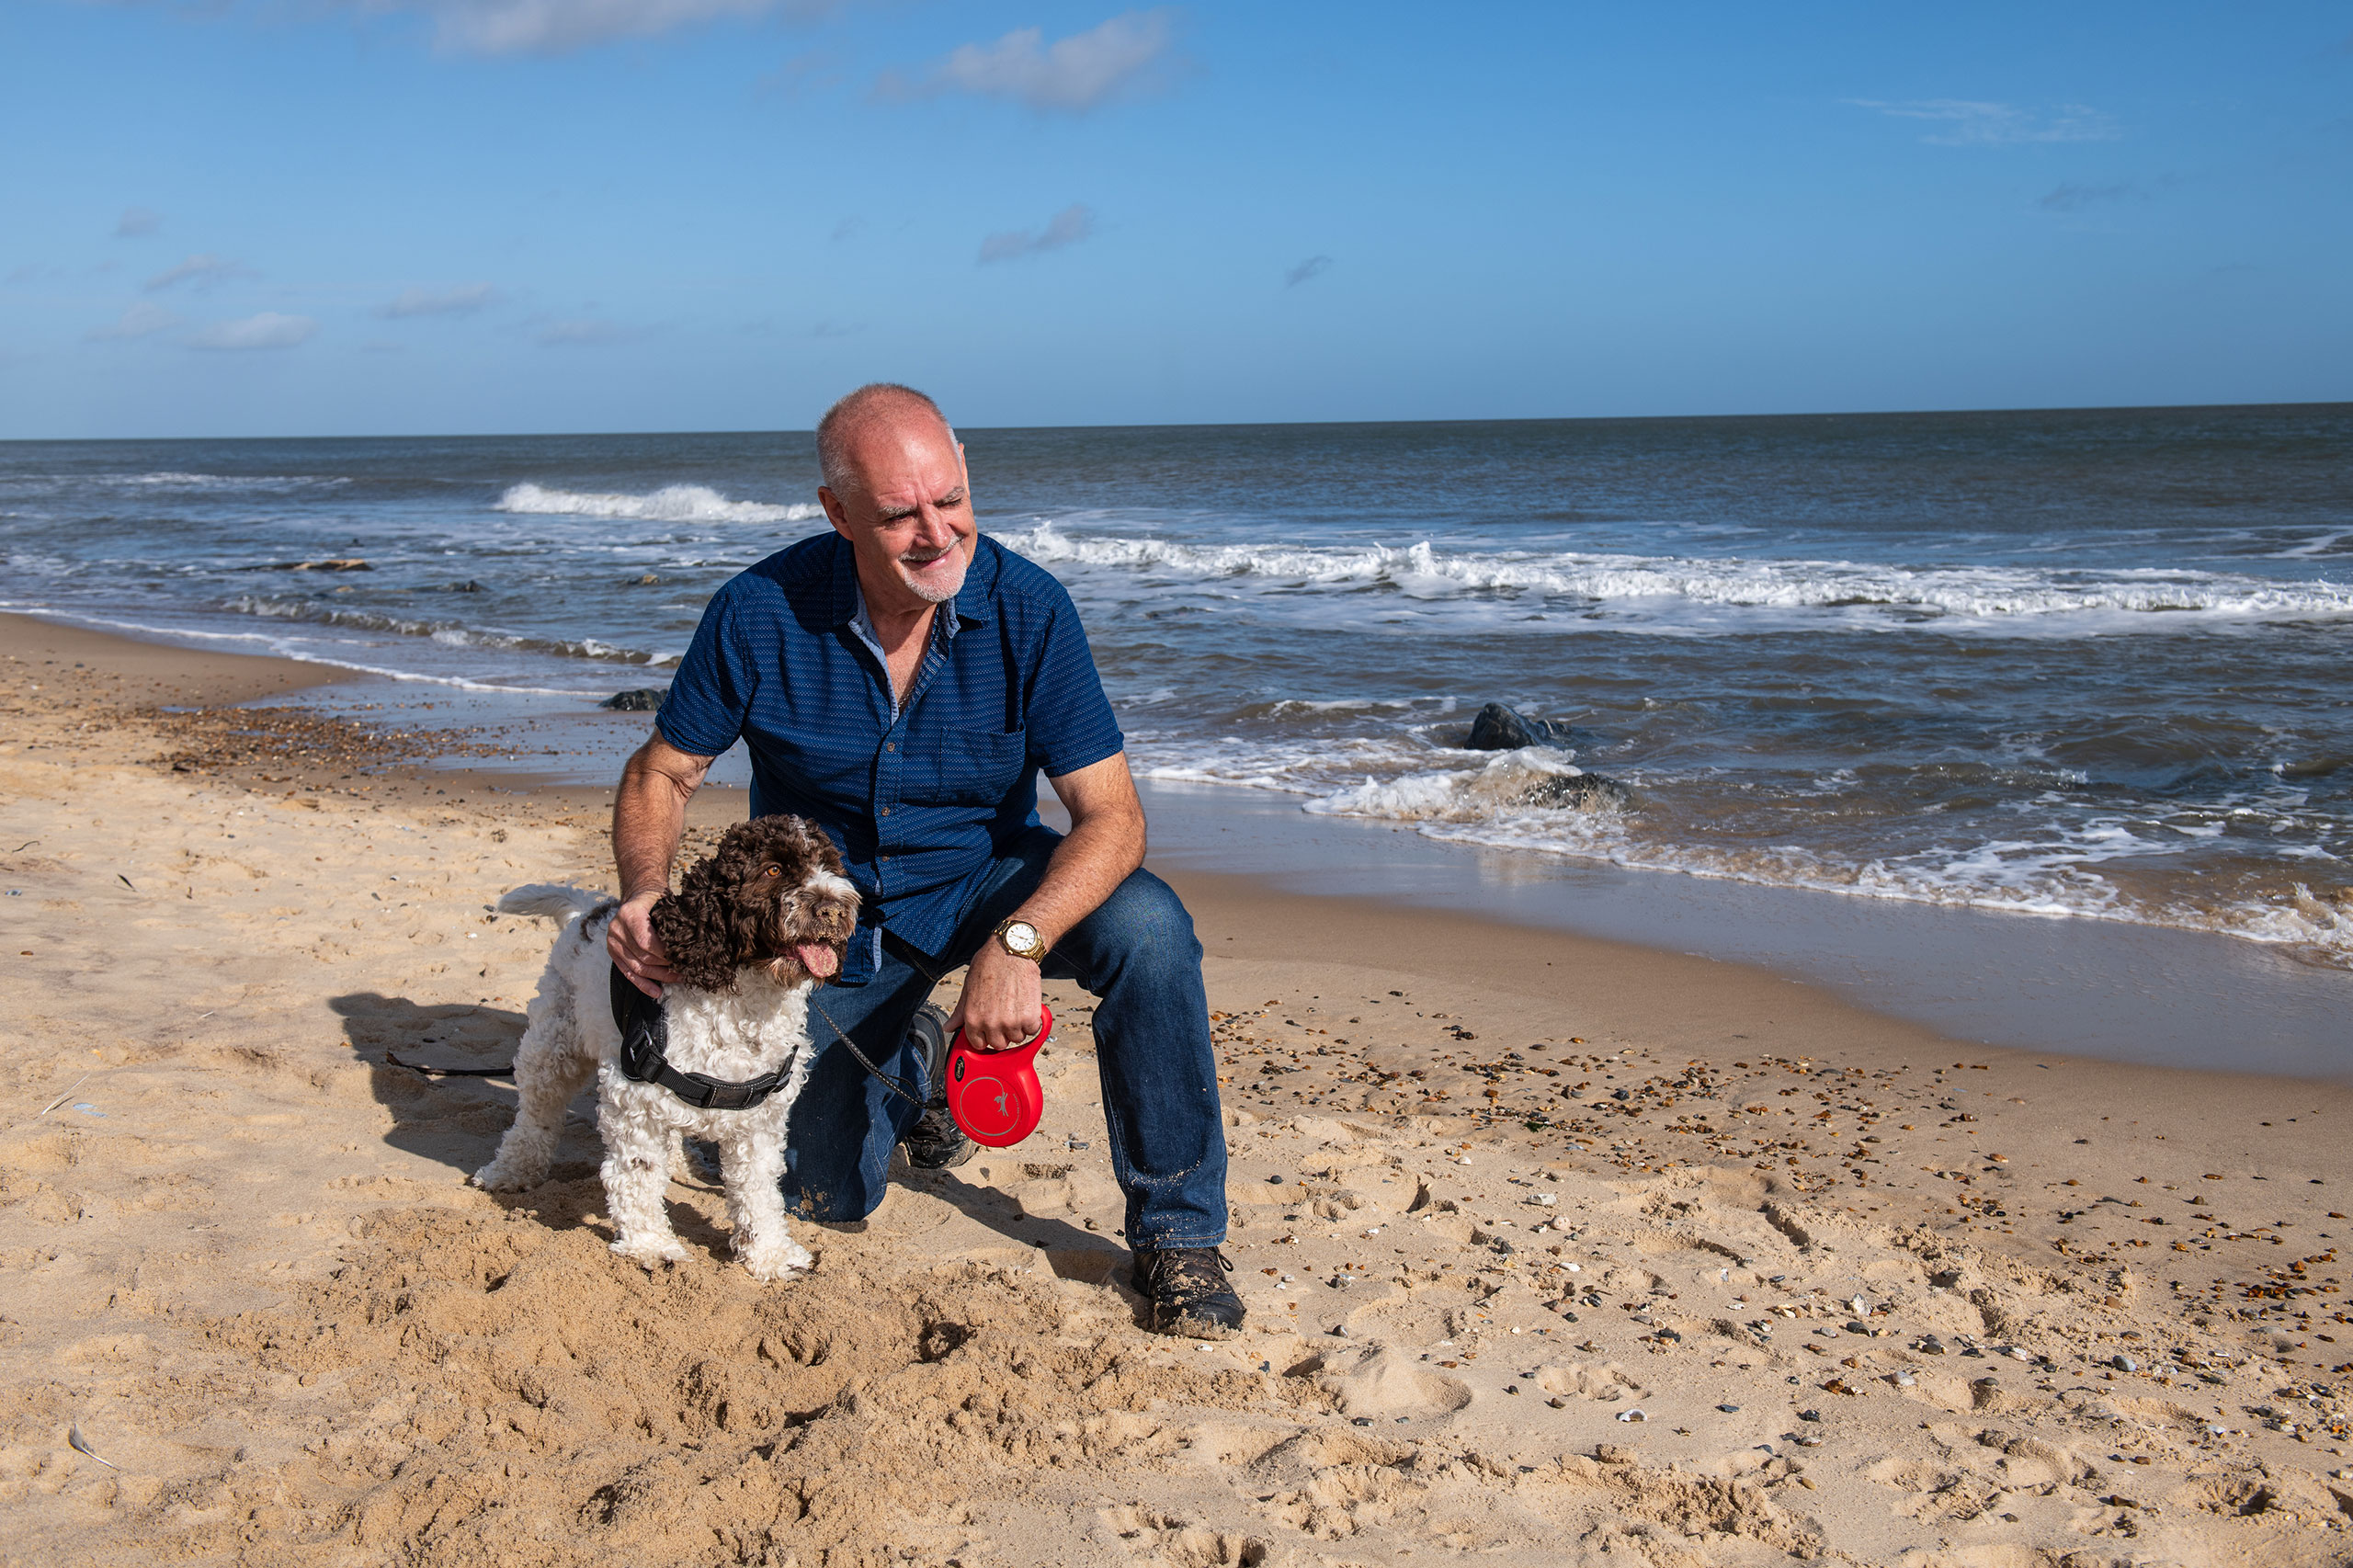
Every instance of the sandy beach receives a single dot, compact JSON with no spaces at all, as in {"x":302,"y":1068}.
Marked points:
{"x":1557,"y":1250}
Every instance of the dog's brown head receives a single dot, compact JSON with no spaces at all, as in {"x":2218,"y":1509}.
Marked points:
{"x":772,"y":895}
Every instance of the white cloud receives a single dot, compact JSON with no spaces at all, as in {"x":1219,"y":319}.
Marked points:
{"x":139,"y":321}
{"x":558,"y":26}
{"x":1969,"y":123}
{"x":582,"y":332}
{"x":202,"y":270}
{"x":1074,"y":74}
{"x":463,"y":299}
{"x":267,"y":330}
{"x":136,"y":222}
{"x":1067,"y":227}
{"x":1313,"y":267}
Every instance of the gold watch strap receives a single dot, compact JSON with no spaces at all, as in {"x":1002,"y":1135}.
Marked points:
{"x":1007,"y":923}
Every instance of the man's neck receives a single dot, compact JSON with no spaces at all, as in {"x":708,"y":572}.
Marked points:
{"x":897,"y":615}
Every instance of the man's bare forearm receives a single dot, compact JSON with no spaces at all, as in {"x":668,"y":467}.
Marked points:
{"x":1087,"y":868}
{"x":650,"y":814}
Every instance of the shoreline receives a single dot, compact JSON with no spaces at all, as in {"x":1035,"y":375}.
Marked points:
{"x":1497,"y":1191}
{"x":2119,"y":991}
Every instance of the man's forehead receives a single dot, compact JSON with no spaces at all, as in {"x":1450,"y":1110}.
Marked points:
{"x":904,"y":458}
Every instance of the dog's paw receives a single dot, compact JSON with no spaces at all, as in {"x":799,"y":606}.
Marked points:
{"x":496,"y":1177}
{"x":649,"y":1254}
{"x":771,"y":1264}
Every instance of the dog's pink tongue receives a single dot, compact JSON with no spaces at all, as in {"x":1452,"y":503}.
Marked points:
{"x":817,"y":958}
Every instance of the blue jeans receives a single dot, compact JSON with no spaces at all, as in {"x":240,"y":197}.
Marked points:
{"x":1138,"y":955}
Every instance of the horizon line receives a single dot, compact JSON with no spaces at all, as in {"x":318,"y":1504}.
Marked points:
{"x":1244,"y":424}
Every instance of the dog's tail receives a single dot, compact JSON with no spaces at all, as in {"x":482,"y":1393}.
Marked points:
{"x":551,"y":900}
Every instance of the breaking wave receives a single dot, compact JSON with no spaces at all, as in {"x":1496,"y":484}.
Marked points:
{"x":1985,"y":593}
{"x":671,"y":504}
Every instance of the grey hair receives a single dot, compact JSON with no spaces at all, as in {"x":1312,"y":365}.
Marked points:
{"x":849,"y":411}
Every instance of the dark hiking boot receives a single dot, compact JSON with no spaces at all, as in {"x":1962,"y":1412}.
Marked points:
{"x":1187,"y":1291}
{"x":934,"y":1143}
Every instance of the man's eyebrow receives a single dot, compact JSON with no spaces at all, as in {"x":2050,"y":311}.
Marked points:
{"x":894,"y":514}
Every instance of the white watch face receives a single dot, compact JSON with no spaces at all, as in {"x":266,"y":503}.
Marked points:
{"x":1021,"y":937}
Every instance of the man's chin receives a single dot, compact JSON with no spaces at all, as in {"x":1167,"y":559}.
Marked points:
{"x":931,"y":588}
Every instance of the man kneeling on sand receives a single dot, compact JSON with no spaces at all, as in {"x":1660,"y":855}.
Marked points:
{"x":901,"y":681}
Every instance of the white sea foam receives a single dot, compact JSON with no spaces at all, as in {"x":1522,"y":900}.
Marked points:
{"x":2051,"y":865}
{"x":1969,"y":592}
{"x":446,"y":634}
{"x":671,"y":504}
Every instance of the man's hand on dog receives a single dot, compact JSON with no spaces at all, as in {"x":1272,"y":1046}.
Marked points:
{"x":637,"y":951}
{"x":1002,"y":997}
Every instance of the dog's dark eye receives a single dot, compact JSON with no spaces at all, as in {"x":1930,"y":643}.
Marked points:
{"x":772,"y":871}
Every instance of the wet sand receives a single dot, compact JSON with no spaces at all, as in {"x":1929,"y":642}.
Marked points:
{"x":1876,"y":1296}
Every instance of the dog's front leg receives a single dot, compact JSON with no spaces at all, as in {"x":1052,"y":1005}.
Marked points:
{"x":751,"y":1153}
{"x":636,"y":1172}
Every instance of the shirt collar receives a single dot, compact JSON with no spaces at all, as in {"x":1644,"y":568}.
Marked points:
{"x":973,"y":602}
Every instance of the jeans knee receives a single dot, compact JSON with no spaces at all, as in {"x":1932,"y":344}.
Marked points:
{"x":1144,"y":918}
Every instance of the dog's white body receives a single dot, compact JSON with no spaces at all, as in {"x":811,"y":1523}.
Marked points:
{"x":570,"y":1035}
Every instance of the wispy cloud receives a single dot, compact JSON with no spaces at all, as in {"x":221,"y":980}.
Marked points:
{"x":136,"y":221}
{"x":2075,"y":198}
{"x":582,"y":332}
{"x":461,"y":301}
{"x":1067,"y":227}
{"x":201,"y":270}
{"x":559,"y":27}
{"x":140,"y":320}
{"x":267,"y":330}
{"x":1313,"y":267}
{"x":1072,"y":74}
{"x":1966,"y":122}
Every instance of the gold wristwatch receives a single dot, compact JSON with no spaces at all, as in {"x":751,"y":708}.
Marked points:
{"x":1020,"y":939}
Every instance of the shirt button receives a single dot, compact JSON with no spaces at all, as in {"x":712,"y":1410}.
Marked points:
{"x":890,"y":745}
{"x":886,"y":810}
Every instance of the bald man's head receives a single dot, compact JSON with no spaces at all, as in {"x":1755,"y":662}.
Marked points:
{"x":895,"y":489}
{"x":879,"y":409}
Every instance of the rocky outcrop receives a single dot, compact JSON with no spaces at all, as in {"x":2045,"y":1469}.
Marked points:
{"x":643,"y":699}
{"x":1499,"y":728}
{"x":1577,"y":793}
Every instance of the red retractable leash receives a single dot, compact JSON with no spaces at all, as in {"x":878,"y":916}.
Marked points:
{"x":994,"y":1094}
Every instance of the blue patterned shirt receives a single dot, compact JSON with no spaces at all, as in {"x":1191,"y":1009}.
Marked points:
{"x":921,"y":799}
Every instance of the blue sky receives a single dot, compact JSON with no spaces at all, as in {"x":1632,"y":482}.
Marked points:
{"x":291,"y":217}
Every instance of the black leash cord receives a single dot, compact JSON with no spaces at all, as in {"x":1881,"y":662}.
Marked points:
{"x":507,"y":1071}
{"x":879,"y":1077}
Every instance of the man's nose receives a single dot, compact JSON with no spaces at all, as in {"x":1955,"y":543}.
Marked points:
{"x":933,"y":531}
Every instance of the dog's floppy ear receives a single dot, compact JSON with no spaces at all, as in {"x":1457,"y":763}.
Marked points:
{"x":707,"y":928}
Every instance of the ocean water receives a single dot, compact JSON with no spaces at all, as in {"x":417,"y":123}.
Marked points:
{"x":2081,"y":664}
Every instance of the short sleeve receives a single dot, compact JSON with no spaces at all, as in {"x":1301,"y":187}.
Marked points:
{"x":1069,"y":719}
{"x":712,"y":694}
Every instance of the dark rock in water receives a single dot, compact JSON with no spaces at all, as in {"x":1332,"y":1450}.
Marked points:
{"x":1577,"y":793}
{"x":643,"y":701}
{"x":1499,"y":728}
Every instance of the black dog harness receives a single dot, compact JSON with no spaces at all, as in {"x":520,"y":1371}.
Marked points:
{"x":644,"y":1033}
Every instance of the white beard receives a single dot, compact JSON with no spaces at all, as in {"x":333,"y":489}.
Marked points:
{"x":936,"y":592}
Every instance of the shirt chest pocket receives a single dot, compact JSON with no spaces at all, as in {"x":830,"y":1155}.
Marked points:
{"x":967,"y":767}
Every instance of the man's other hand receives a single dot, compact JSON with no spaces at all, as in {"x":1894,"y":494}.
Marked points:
{"x":1002,"y":1001}
{"x":637,"y":951}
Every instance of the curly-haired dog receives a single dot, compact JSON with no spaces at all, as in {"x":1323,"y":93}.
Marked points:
{"x":752,"y":931}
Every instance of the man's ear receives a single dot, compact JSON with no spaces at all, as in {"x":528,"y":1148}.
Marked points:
{"x":834,"y":511}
